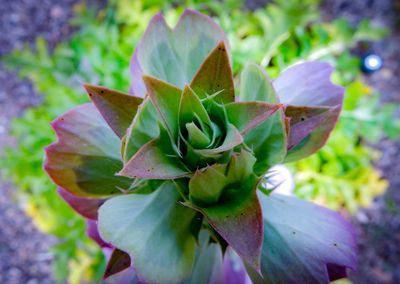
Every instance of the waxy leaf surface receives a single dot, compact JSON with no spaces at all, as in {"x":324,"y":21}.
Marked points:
{"x":215,"y":75}
{"x":248,"y":115}
{"x":166,"y":99}
{"x":301,"y":241}
{"x":153,"y":228}
{"x":118,"y":109}
{"x":174,"y":55}
{"x":267,"y":140}
{"x":144,"y":127}
{"x":85,"y":158}
{"x":238,"y":219}
{"x":151,"y":162}
{"x":308,"y":84}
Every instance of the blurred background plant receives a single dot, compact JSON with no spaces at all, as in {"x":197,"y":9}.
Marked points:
{"x":340,"y":176}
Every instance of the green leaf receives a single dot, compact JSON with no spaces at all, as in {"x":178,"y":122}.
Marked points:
{"x":215,"y":75}
{"x":231,"y":140}
{"x":208,"y":265}
{"x":85,"y":158}
{"x":155,"y":230}
{"x":154,"y":161}
{"x":302,"y":241}
{"x":237,"y":218}
{"x":196,"y":137}
{"x":207,"y":185}
{"x":248,"y":115}
{"x":118,"y":109}
{"x":174,"y":55}
{"x":256,"y":86}
{"x":191,"y":109}
{"x":267,"y":140}
{"x":165,"y":98}
{"x":241,"y":166}
{"x":144,"y":127}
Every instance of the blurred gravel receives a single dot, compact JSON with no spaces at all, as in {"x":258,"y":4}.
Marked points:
{"x":24,"y":252}
{"x":379,"y":226}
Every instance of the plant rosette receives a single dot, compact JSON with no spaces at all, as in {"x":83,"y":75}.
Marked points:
{"x":171,"y":174}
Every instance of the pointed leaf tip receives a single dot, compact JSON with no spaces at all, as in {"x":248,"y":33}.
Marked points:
{"x":117,"y":108}
{"x":215,"y":75}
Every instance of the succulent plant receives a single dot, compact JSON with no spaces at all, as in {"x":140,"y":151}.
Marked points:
{"x":172,"y":173}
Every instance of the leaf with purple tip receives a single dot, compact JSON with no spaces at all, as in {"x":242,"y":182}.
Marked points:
{"x":118,"y":109}
{"x":308,"y":84}
{"x":118,"y":262}
{"x":248,"y":115}
{"x":303,"y":242}
{"x":215,"y":76}
{"x":85,"y":158}
{"x":85,"y":206}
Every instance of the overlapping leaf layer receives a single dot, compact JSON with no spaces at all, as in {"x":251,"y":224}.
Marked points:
{"x":170,"y":171}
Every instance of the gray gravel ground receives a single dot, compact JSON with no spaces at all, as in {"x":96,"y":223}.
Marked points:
{"x":379,"y":226}
{"x":24,"y":251}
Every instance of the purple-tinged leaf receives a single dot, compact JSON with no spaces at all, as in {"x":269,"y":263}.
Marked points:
{"x":234,"y":271}
{"x":308,"y":84}
{"x":93,"y":232}
{"x":174,"y":55}
{"x":215,"y":76}
{"x":238,"y":219}
{"x":118,"y":109}
{"x":118,"y":262}
{"x":303,"y":120}
{"x":85,"y":206}
{"x":85,"y":158}
{"x":151,"y":162}
{"x":303,"y":242}
{"x":248,"y":115}
{"x":166,"y":99}
{"x":156,"y":231}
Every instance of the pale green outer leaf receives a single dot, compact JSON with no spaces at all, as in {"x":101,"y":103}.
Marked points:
{"x":215,"y":76}
{"x":155,"y":230}
{"x":300,"y":240}
{"x":174,"y":55}
{"x":145,"y":127}
{"x":256,"y":86}
{"x":207,"y":185}
{"x":152,"y":162}
{"x":267,"y":140}
{"x":165,"y":98}
{"x":208,"y":266}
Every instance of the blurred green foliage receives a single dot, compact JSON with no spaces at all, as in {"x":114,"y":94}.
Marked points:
{"x":341,"y":175}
